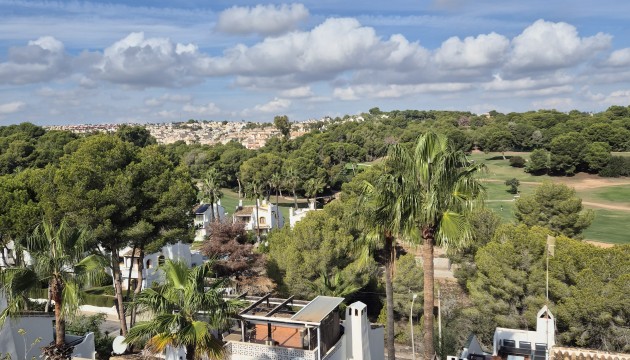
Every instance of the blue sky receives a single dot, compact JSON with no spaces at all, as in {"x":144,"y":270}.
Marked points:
{"x":71,"y":62}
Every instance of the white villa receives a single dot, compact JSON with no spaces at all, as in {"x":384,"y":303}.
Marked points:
{"x":203,"y":218}
{"x":269,"y":216}
{"x":150,"y":273}
{"x":296,"y":215}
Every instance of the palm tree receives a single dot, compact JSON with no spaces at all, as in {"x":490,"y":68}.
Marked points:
{"x":376,"y":213}
{"x":276,"y":182}
{"x":312,"y":187}
{"x":255,"y":189}
{"x":210,"y":191}
{"x":292,"y":181}
{"x":334,"y":285}
{"x":434,"y":189}
{"x":59,"y":259}
{"x":186,"y":309}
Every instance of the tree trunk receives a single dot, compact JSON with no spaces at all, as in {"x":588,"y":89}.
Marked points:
{"x":239,"y":188}
{"x":133,"y":252}
{"x":427,"y":266}
{"x":294,"y":199}
{"x":190,"y":352}
{"x":119,"y":293}
{"x":257,"y":222}
{"x":138,"y":288}
{"x":389,"y":295}
{"x":212,"y":211}
{"x":60,"y":323}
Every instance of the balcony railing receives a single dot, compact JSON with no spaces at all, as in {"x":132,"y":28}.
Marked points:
{"x":237,"y":350}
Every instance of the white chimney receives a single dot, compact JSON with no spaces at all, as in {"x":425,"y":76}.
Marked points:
{"x":546,"y":327}
{"x":357,"y":329}
{"x":311,"y":204}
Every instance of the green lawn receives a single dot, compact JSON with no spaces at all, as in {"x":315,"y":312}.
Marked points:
{"x":610,"y":227}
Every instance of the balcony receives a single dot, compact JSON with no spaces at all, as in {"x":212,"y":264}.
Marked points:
{"x":250,"y":350}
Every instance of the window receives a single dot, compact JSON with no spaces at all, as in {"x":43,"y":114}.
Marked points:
{"x":149,"y":264}
{"x":161,"y":260}
{"x":262,"y":221}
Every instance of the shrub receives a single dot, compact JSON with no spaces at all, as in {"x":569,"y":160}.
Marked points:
{"x":616,"y":167}
{"x":517,"y":161}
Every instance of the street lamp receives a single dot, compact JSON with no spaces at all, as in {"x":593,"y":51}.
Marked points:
{"x":413,"y":347}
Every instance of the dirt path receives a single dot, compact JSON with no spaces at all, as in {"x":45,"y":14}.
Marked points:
{"x":606,"y":206}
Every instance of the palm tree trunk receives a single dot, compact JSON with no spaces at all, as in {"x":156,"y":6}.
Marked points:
{"x":239,"y":188}
{"x":60,"y":323}
{"x":427,"y":266}
{"x":277,"y":207}
{"x":119,"y":293}
{"x":190,"y":352}
{"x":257,"y":222}
{"x":389,"y":296}
{"x":211,"y":211}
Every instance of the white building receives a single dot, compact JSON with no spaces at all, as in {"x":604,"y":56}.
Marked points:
{"x":150,"y":273}
{"x":203,"y":218}
{"x":267,"y":218}
{"x":296,"y":215}
{"x":272,"y":329}
{"x":18,"y":335}
{"x":8,"y":255}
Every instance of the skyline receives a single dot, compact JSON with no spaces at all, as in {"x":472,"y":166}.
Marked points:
{"x":70,"y":62}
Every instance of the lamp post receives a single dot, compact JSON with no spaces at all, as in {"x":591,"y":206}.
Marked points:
{"x":413,"y":347}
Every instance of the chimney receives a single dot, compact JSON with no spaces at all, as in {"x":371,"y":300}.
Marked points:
{"x":311,"y":204}
{"x":357,"y":328}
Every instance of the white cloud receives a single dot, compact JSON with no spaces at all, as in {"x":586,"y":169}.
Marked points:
{"x":561,"y":104}
{"x":273,"y":106}
{"x":209,"y":109}
{"x":472,"y":52}
{"x":262,"y":19}
{"x":298,"y":92}
{"x":548,"y":45}
{"x":619,"y":97}
{"x":397,"y":91}
{"x":173,"y":98}
{"x":525,"y":83}
{"x":12,"y":107}
{"x":619,"y":58}
{"x":149,"y":62}
{"x":41,"y":60}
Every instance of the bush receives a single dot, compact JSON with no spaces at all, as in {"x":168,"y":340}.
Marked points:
{"x":616,"y":167}
{"x":517,"y":161}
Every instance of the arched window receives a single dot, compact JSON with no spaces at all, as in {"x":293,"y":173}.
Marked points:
{"x":262,"y":220}
{"x":149,"y":264}
{"x":161,"y":260}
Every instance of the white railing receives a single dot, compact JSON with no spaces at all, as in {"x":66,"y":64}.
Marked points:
{"x":245,"y":350}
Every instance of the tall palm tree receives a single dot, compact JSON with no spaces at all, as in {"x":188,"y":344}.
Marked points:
{"x":255,"y":189}
{"x":210,"y":191}
{"x":59,"y":259}
{"x":376,"y":213}
{"x":186,"y":309}
{"x":276,"y":183}
{"x":292,"y":181}
{"x":312,"y":187}
{"x":434,"y":189}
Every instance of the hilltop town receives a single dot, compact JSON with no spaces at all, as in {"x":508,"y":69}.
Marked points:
{"x":252,"y":135}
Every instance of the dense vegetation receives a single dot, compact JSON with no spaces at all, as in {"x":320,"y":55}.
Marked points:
{"x":129,"y":191}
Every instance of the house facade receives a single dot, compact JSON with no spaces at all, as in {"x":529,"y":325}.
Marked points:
{"x":296,"y":215}
{"x":203,"y":218}
{"x":150,"y":272}
{"x":267,"y":217}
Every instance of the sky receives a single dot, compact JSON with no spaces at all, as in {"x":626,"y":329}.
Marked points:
{"x":149,"y":61}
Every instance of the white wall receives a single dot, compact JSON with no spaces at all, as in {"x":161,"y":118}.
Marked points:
{"x":14,"y":344}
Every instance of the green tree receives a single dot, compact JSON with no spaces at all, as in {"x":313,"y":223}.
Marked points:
{"x":276,"y":182}
{"x":567,"y":152}
{"x":312,"y":187}
{"x":137,"y":135}
{"x":436,"y":188}
{"x":407,"y":281}
{"x":292,"y":181}
{"x":597,"y":156}
{"x":513,"y":183}
{"x":555,"y":206}
{"x":283,"y":124}
{"x":538,"y":162}
{"x":187,"y":309}
{"x":59,"y":259}
{"x":210,"y":190}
